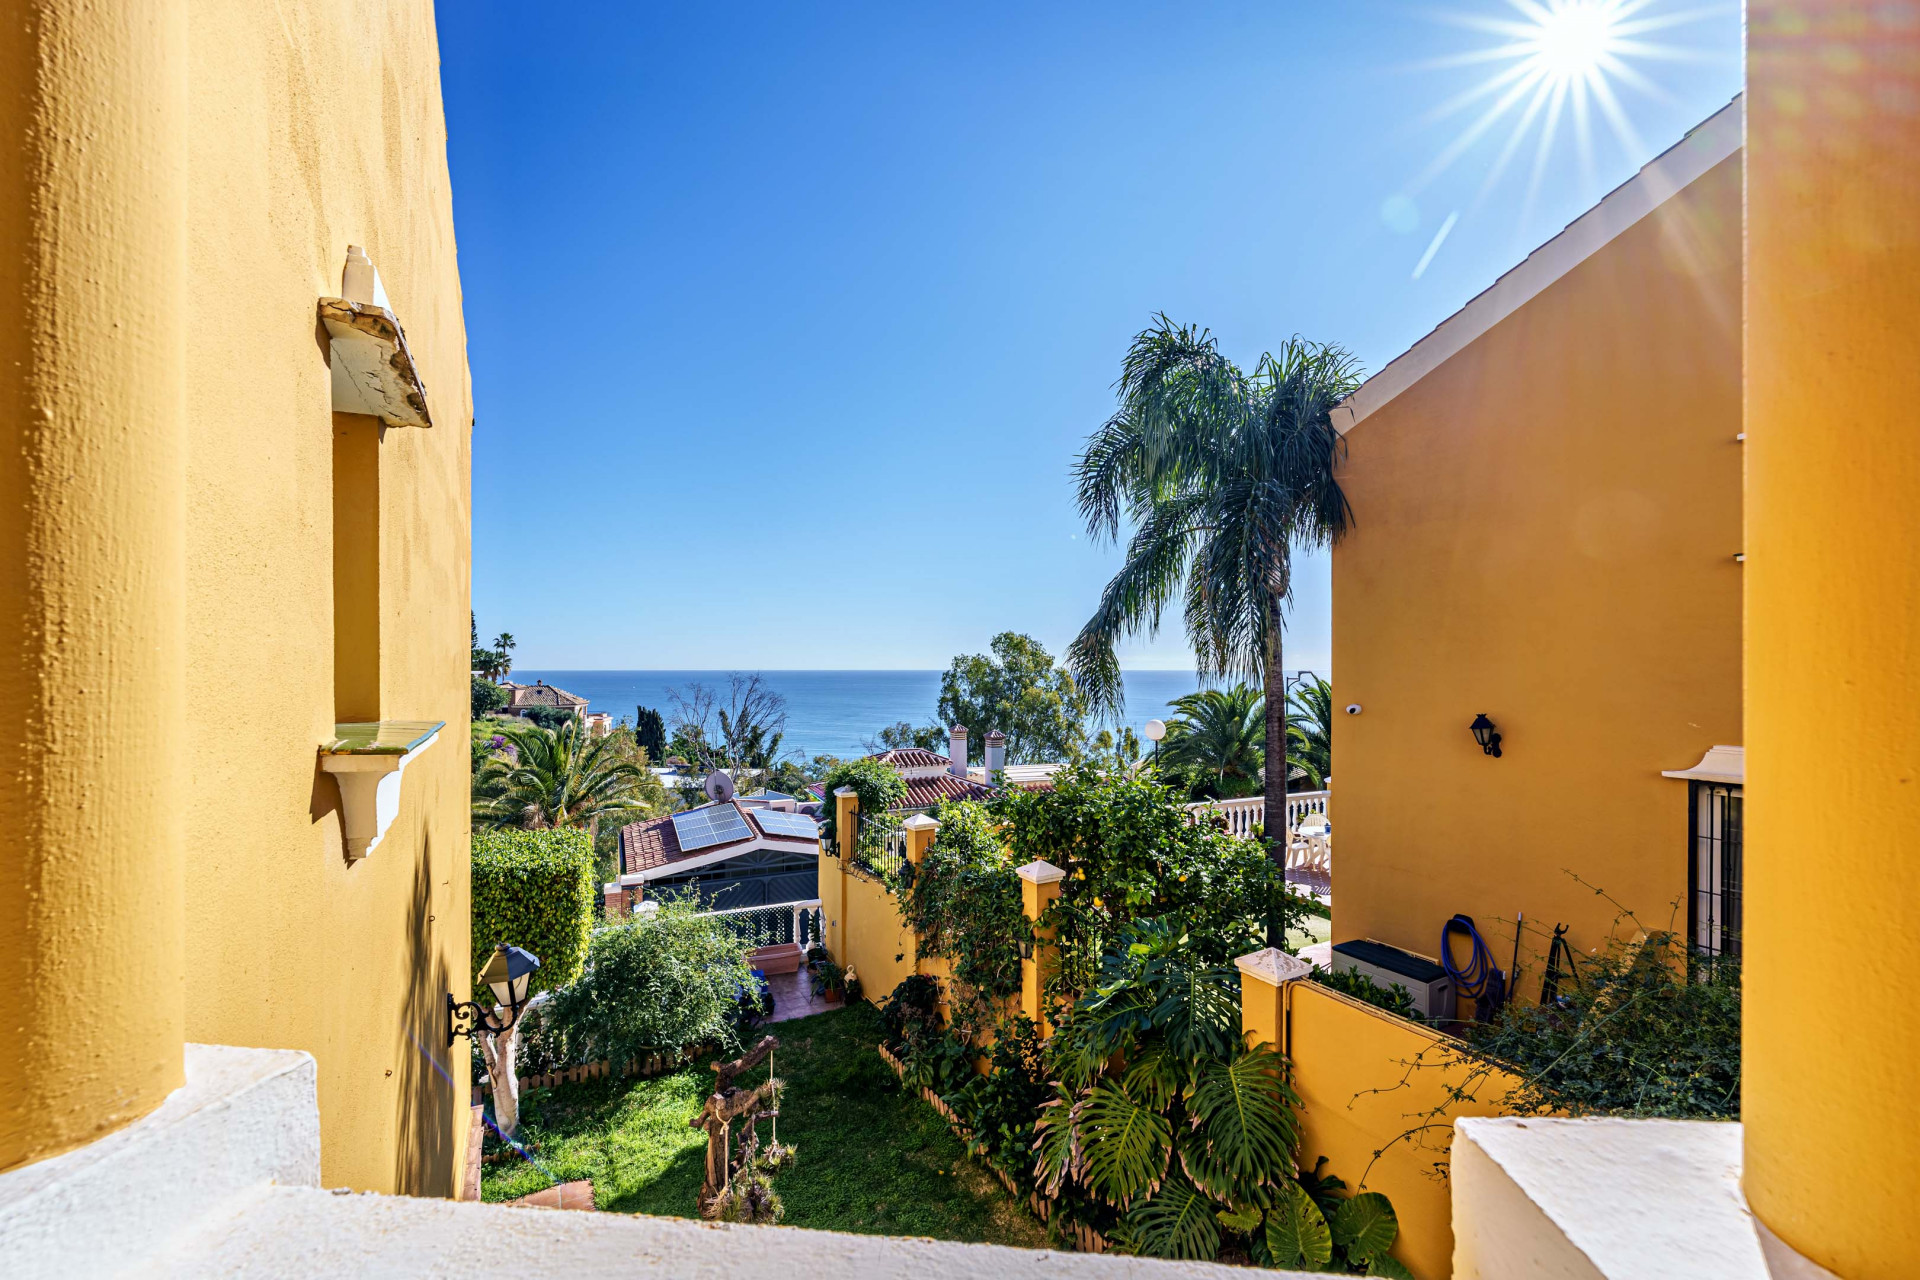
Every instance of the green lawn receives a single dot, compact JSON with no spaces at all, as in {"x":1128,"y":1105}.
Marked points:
{"x":872,"y":1158}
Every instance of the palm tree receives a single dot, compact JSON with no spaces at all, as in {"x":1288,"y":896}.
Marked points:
{"x":1310,"y":729}
{"x":1219,"y":733}
{"x":555,"y":779}
{"x":503,"y":646}
{"x":1223,"y":475}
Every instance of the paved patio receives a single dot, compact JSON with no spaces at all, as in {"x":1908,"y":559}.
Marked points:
{"x":793,"y":996}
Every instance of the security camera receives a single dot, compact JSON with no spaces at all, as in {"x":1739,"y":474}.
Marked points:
{"x":1353,"y":708}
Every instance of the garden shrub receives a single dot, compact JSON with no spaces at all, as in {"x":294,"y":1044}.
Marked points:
{"x":1133,"y":854}
{"x":1003,"y":1106}
{"x":963,"y":903}
{"x":534,"y":890}
{"x":879,"y":787}
{"x":1395,"y":999}
{"x":488,"y":697}
{"x":657,"y":983}
{"x":1646,"y":1028}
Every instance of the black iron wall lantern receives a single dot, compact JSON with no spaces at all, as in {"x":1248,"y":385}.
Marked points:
{"x":509,"y":972}
{"x":1486,"y":735}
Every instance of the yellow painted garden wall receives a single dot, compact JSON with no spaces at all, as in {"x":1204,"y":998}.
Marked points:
{"x":208,"y":567}
{"x":1545,"y":528}
{"x":314,"y":126}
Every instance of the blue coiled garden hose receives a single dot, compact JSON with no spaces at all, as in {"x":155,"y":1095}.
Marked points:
{"x":1486,"y":985}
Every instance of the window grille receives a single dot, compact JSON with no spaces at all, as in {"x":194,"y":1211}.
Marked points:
{"x":1714,"y":879}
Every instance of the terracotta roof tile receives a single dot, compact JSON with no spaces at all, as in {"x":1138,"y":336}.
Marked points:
{"x":542,"y":695}
{"x":923,"y":792}
{"x":912,"y":758}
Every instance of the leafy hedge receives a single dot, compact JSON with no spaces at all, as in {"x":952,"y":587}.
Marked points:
{"x":964,"y":903}
{"x":534,"y":889}
{"x":656,"y":984}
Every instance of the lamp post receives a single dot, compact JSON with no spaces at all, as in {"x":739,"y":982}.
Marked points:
{"x":509,"y":972}
{"x":1156,"y":730}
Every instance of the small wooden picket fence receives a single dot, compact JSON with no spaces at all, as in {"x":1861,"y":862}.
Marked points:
{"x":1085,"y":1238}
{"x":654,"y":1065}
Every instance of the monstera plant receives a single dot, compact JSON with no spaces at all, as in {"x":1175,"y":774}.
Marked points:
{"x":1186,"y":1136}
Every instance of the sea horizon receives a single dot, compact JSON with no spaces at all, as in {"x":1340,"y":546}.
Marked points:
{"x":830,"y":711}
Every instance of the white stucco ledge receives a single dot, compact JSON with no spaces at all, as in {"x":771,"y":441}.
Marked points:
{"x":245,"y":1118}
{"x":1273,"y":966}
{"x":286,"y":1233}
{"x":1041,"y":871}
{"x":367,"y":761}
{"x":1543,"y":1199}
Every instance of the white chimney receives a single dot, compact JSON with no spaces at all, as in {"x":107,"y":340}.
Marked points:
{"x":957,"y":751}
{"x":996,"y":753}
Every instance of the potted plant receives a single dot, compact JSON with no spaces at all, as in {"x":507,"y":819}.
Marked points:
{"x":828,"y":979}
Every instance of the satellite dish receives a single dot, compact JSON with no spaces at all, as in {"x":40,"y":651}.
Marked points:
{"x":719,"y":786}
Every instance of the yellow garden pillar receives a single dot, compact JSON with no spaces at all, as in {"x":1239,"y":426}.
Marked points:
{"x":1264,"y":978}
{"x":833,"y":896}
{"x":1832,"y":902}
{"x":920,"y":831}
{"x":94,"y":293}
{"x":1039,"y":888}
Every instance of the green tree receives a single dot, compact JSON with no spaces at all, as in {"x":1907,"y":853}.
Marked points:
{"x":1310,"y":729}
{"x":1217,"y":737}
{"x":552,"y":719}
{"x":503,"y":646}
{"x":1018,"y":690}
{"x":928,"y":737}
{"x":535,"y":890}
{"x":1222,"y":475}
{"x":654,"y":984}
{"x":652,"y":731}
{"x":488,"y":697}
{"x":549,"y":779}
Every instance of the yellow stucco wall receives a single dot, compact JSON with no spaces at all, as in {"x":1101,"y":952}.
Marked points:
{"x":93,"y":211}
{"x":187,"y":178}
{"x":1833,"y":632}
{"x":1369,"y":1082}
{"x":314,"y":126}
{"x":1545,"y":531}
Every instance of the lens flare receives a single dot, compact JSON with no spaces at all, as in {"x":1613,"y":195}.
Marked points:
{"x":1557,"y":62}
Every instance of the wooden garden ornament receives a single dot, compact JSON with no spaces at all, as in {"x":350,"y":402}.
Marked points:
{"x":727,"y":1104}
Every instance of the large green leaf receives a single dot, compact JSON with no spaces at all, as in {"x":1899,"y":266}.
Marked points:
{"x":1246,"y":1131}
{"x":1123,"y":1144}
{"x":1385,"y":1264}
{"x":1365,"y":1226}
{"x":1297,"y":1232}
{"x":1056,"y":1149}
{"x":1154,"y":1076}
{"x":1177,"y":1222}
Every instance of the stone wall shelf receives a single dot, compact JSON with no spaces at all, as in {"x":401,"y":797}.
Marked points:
{"x":366,"y":761}
{"x":373,"y":372}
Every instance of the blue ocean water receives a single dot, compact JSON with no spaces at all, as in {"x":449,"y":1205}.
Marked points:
{"x":829,"y":712}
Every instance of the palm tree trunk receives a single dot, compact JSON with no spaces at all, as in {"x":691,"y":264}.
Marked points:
{"x":1276,"y":764}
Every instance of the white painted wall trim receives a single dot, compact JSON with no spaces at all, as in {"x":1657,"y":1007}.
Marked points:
{"x":1710,"y":142}
{"x":1720,"y":764}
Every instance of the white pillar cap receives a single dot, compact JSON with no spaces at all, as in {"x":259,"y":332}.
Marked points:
{"x":1040,"y":872}
{"x":921,"y":822}
{"x":1273,"y":966}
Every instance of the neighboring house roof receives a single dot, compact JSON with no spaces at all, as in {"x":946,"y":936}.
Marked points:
{"x":923,"y":793}
{"x":912,"y":758}
{"x":652,"y":844}
{"x":1706,"y":145}
{"x":541,"y":695}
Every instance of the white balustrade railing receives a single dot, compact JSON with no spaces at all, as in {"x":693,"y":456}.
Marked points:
{"x":1309,"y":852}
{"x":773,"y":925}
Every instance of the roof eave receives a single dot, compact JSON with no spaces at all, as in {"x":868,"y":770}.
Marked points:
{"x":1663,"y":177}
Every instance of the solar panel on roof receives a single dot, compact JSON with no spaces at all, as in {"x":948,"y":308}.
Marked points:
{"x":777,"y":822}
{"x":709,"y":825}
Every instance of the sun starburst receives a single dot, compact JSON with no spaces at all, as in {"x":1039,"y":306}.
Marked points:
{"x":1554,"y":65}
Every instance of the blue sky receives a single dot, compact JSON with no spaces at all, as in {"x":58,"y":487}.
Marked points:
{"x":787,"y":321}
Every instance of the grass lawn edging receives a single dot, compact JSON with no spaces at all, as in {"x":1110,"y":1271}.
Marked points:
{"x":1085,"y":1238}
